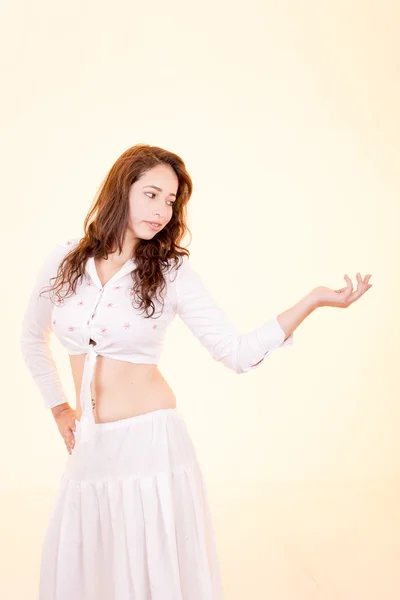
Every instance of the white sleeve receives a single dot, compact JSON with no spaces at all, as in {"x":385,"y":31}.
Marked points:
{"x":36,"y":331}
{"x":197,"y":308}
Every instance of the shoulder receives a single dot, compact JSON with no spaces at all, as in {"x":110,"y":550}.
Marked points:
{"x":60,"y":249}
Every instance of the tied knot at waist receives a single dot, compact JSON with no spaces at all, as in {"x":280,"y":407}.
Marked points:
{"x":87,"y":421}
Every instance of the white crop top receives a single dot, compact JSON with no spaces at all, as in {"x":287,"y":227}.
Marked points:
{"x":106,"y":315}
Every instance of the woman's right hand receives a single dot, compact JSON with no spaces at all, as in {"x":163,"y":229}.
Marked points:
{"x":65,"y":417}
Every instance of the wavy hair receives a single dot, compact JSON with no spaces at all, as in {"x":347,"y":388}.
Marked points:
{"x":106,"y":224}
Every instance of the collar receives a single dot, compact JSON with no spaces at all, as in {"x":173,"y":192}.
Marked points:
{"x":126,"y":268}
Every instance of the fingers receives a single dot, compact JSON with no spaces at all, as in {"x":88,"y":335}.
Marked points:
{"x":69,"y":439}
{"x":70,"y":435}
{"x":349,"y":283}
{"x":363,"y":283}
{"x":348,"y":290}
{"x":348,"y":279}
{"x":362,"y":286}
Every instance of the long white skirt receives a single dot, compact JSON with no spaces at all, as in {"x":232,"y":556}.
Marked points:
{"x":131,"y":520}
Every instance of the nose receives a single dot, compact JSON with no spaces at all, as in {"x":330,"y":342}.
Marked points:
{"x":158,"y":212}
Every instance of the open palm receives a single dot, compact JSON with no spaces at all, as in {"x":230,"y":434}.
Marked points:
{"x":345,"y":296}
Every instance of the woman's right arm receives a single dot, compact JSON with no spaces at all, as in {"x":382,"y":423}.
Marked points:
{"x":36,"y":331}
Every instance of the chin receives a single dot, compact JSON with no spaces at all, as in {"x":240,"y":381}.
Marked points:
{"x":149,"y":235}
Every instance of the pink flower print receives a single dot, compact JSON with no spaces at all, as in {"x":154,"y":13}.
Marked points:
{"x":88,"y":322}
{"x":59,"y":300}
{"x":54,"y":322}
{"x":126,"y":325}
{"x":81,"y":303}
{"x":89,"y":284}
{"x":71,"y":328}
{"x":155,"y":325}
{"x":69,"y":242}
{"x":103,"y":330}
{"x":109,"y":304}
{"x":117,"y":287}
{"x":131,"y":292}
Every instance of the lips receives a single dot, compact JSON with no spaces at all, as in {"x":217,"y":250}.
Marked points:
{"x":154,"y":224}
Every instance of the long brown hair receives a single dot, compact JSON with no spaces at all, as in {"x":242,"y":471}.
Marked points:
{"x":106,"y":223}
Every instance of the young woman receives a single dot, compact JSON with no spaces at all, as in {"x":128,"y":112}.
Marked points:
{"x":131,"y":520}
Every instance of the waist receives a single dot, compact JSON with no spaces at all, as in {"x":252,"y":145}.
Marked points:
{"x":121,"y":389}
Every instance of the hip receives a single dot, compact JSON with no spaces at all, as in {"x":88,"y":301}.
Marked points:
{"x":155,"y":443}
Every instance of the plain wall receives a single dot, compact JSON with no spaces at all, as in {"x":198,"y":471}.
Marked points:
{"x":287,"y":117}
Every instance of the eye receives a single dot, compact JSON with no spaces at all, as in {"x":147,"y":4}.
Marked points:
{"x":171,"y":202}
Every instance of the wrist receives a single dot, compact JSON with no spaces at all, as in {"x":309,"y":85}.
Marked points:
{"x":56,"y":410}
{"x":314,"y":298}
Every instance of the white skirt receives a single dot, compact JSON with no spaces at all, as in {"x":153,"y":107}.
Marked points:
{"x":131,"y":520}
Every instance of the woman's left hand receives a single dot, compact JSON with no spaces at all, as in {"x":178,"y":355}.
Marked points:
{"x":345,"y":296}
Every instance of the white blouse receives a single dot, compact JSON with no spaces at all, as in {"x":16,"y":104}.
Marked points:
{"x":106,"y":315}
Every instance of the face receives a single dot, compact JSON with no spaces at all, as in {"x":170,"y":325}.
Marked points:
{"x":151,"y":199}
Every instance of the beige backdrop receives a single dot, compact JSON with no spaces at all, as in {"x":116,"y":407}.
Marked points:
{"x":287,"y":116}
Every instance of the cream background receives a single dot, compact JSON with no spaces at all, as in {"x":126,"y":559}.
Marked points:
{"x":287,"y":116}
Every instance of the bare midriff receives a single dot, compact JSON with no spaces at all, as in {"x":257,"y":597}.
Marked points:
{"x":121,"y":389}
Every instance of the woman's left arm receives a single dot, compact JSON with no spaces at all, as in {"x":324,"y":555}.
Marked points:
{"x":290,"y":319}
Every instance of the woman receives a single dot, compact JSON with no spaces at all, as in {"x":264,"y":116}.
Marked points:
{"x":131,"y":519}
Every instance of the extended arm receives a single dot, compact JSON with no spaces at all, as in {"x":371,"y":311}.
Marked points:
{"x":240,"y":352}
